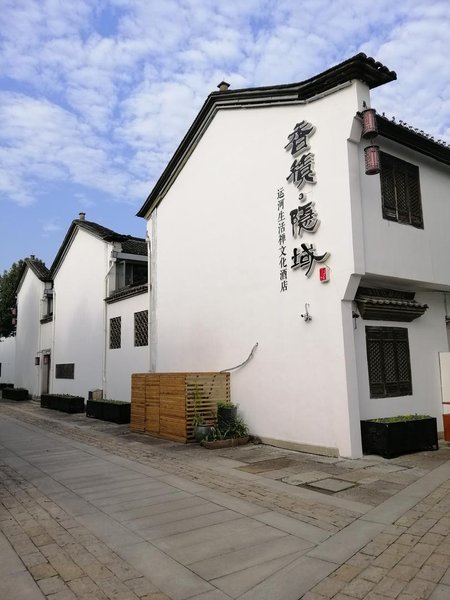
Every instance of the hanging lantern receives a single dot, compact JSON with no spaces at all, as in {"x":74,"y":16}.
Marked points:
{"x":372,"y":160}
{"x":369,"y":123}
{"x":46,"y":357}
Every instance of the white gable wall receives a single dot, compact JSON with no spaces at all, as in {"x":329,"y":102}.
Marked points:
{"x":28,"y":332}
{"x":79,"y":314}
{"x":128,"y":359}
{"x":215,"y":244}
{"x":7,"y":359}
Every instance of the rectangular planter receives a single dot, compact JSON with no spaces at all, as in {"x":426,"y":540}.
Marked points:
{"x":400,"y":437}
{"x":6,"y":385}
{"x":114,"y":412}
{"x":67,"y":404}
{"x":15,"y":394}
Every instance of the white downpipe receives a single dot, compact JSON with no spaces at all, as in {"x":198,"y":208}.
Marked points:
{"x":152,"y":283}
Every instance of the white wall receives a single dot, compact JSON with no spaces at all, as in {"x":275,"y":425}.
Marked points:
{"x":217,"y":275}
{"x":7,"y":359}
{"x":128,"y":359}
{"x":427,"y":338}
{"x":402,"y":251}
{"x":27,"y":332}
{"x":78,"y":313}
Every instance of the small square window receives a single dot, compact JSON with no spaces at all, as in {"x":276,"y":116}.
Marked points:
{"x":115,"y":329}
{"x":141,"y":328}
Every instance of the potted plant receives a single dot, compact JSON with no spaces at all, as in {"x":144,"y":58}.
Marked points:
{"x":235,"y":434}
{"x":393,"y":436}
{"x":226,"y":413}
{"x":201,"y":429}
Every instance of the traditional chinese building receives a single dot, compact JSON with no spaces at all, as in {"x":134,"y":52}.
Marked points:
{"x":265,"y":228}
{"x":82,"y":325}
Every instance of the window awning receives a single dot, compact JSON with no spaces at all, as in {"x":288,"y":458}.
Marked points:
{"x":382,"y":304}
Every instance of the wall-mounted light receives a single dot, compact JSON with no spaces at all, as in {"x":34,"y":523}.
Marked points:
{"x":369,"y":123}
{"x":46,"y":359}
{"x":37,"y":360}
{"x":372,"y":160}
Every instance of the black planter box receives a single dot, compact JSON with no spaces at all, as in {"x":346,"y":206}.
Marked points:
{"x":6,"y":385}
{"x":225,"y":416}
{"x":67,"y":404}
{"x":15,"y":394}
{"x":115,"y":412}
{"x":400,"y":437}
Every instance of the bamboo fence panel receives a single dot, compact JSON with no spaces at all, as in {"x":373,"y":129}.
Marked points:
{"x":164,"y":404}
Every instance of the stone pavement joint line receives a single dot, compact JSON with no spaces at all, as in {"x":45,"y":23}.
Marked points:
{"x":62,"y":556}
{"x":329,"y":518}
{"x":408,"y":560}
{"x":92,"y":514}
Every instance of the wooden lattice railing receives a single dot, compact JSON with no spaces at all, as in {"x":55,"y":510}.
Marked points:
{"x":164,"y":404}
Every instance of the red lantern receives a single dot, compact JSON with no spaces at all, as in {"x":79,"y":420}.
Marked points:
{"x":369,"y":124}
{"x":372,"y":160}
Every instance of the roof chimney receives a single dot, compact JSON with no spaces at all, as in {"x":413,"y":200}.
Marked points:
{"x":32,"y":256}
{"x":223,"y":86}
{"x":82,"y":216}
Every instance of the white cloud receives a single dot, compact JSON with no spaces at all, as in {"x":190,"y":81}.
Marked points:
{"x":100,"y":94}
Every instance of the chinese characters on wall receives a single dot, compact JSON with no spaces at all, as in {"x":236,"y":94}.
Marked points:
{"x":282,"y":241}
{"x":304,"y":218}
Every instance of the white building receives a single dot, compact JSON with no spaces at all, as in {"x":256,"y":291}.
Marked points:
{"x":7,"y":359}
{"x":260,"y":173}
{"x":83,"y":325}
{"x":33,"y":329}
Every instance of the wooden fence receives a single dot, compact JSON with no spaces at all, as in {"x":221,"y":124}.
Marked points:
{"x":164,"y":404}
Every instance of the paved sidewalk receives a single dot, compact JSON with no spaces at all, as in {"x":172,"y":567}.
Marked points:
{"x":94,"y":512}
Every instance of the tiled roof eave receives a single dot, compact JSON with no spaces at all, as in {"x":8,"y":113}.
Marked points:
{"x":125,"y":293}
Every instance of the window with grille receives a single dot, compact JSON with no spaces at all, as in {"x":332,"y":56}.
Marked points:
{"x":141,"y":328}
{"x":388,"y":361}
{"x":115,"y":330}
{"x":400,"y":191}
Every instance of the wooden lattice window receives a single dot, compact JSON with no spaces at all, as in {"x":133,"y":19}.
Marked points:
{"x":400,"y":191}
{"x":141,"y":328}
{"x":388,"y":361}
{"x":115,"y":330}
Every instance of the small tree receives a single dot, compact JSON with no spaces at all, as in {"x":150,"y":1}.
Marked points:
{"x":8,"y":284}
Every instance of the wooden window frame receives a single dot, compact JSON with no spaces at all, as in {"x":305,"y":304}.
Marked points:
{"x":400,"y":191}
{"x":387,"y":355}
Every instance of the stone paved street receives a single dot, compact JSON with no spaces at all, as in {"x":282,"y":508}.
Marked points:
{"x":89,"y":510}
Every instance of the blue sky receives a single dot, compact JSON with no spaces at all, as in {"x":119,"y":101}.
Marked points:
{"x":96,"y":96}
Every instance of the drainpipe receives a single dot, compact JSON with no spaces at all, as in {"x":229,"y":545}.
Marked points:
{"x":149,"y":284}
{"x":153,"y":327}
{"x":52,"y":352}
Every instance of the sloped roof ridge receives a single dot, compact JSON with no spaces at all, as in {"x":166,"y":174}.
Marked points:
{"x":134,"y":245}
{"x":39,"y":269}
{"x":104,"y":232}
{"x":360,"y":67}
